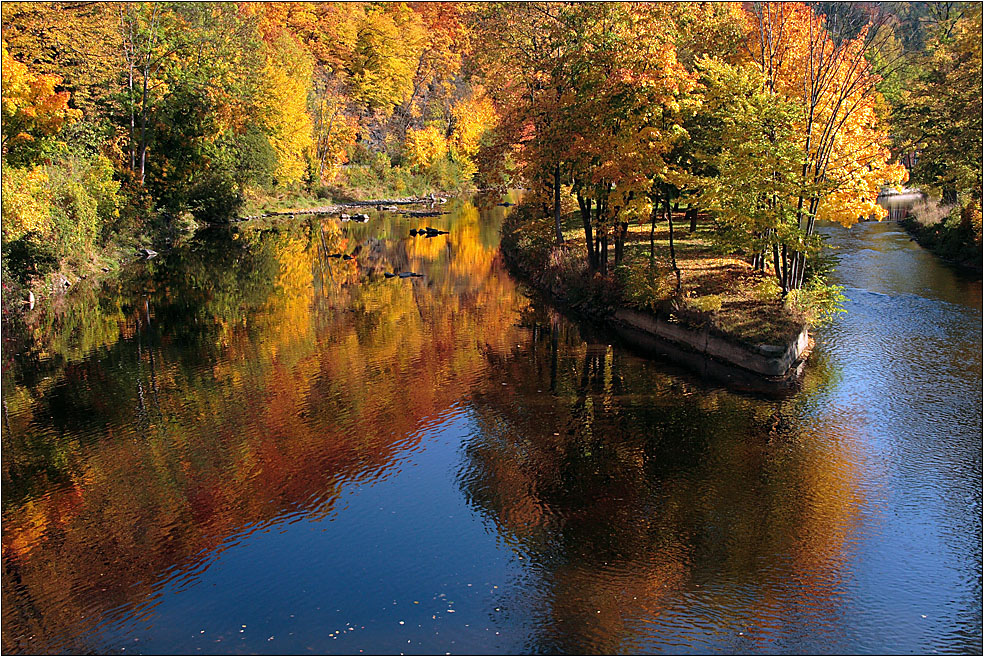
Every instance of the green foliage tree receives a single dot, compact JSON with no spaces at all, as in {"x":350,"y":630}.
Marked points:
{"x":941,"y":115}
{"x":745,"y":137}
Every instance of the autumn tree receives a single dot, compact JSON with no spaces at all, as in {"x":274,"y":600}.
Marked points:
{"x":525,"y":49}
{"x":845,"y":142}
{"x":77,"y":42}
{"x":33,"y":110}
{"x":198,"y":101}
{"x":745,"y":137}
{"x":941,"y":114}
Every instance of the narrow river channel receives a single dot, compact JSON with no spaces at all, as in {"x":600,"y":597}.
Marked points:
{"x":245,"y":447}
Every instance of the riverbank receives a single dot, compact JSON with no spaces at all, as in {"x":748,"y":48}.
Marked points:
{"x":381,"y":205}
{"x":28,"y":276}
{"x":335,"y":198}
{"x":726,"y":311}
{"x":952,"y":233}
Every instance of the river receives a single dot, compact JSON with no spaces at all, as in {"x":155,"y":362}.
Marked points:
{"x":245,"y":447}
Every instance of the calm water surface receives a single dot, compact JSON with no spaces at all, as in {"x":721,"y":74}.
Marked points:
{"x":245,"y":447}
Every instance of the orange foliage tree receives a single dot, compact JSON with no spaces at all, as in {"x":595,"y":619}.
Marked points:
{"x":32,"y":109}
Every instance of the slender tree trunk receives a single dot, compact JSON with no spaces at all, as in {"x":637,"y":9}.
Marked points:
{"x":601,"y":240}
{"x":604,"y":251}
{"x":778,"y":267}
{"x":133,"y":127}
{"x":676,"y":270}
{"x":785,"y":271}
{"x":585,"y":205}
{"x":147,"y":65}
{"x":129,"y":54}
{"x":556,"y":205}
{"x":691,"y":216}
{"x":143,"y":130}
{"x":800,"y":259}
{"x":621,"y":231}
{"x":652,"y":237}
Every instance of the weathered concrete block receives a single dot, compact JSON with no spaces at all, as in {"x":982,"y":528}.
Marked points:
{"x":768,"y":360}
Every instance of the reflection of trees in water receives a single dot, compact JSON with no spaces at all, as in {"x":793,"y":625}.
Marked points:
{"x":229,"y":385}
{"x":631,"y":491}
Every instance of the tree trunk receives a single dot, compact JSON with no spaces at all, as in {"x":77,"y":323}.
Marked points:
{"x":785,"y":271}
{"x":556,"y":205}
{"x":143,"y":130}
{"x":652,"y":237}
{"x":601,"y":241}
{"x":676,"y":270}
{"x":778,"y":267}
{"x":604,"y":250}
{"x":585,"y":205}
{"x":621,"y":231}
{"x":691,"y":216}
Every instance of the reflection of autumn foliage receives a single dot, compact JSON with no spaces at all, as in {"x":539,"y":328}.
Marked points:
{"x":628,"y":505}
{"x":248,"y":385}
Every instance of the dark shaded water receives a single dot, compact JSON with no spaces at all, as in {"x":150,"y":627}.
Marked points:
{"x":242,"y":447}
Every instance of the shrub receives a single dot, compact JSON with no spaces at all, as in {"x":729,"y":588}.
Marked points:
{"x":85,"y":198}
{"x":73,"y":215}
{"x":56,"y":211}
{"x":951,"y":231}
{"x":818,"y":302}
{"x":766,"y":290}
{"x":929,"y":213}
{"x":706,"y":304}
{"x":26,"y":203}
{"x":645,"y":287}
{"x":29,"y":256}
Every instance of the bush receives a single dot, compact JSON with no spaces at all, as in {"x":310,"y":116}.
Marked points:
{"x":29,"y":256}
{"x":929,"y":213}
{"x":766,"y":290}
{"x":528,"y":236}
{"x":818,"y":302}
{"x":55,"y":212}
{"x":74,"y":216}
{"x":646,"y":287}
{"x":26,"y":203}
{"x":85,"y":198}
{"x":706,"y":304}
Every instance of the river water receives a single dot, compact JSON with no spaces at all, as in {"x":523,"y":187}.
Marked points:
{"x":245,"y":447}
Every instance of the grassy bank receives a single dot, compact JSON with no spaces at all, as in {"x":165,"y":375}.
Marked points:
{"x":949,"y":231}
{"x":717,"y":289}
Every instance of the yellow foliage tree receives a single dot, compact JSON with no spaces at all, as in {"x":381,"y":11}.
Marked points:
{"x":425,"y":146}
{"x":334,"y":129}
{"x":473,"y":118}
{"x":847,"y":160}
{"x":288,"y":77}
{"x":385,"y":57}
